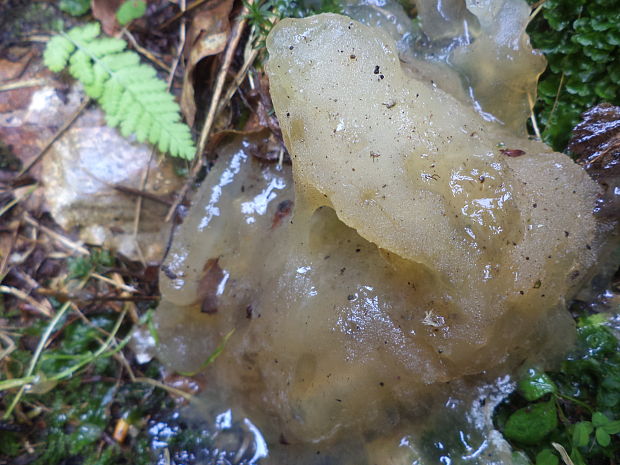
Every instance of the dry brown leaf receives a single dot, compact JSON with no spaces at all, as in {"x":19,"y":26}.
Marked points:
{"x":211,"y":279}
{"x":10,"y":70}
{"x":207,"y":36}
{"x":596,"y":142}
{"x":187,"y":384}
{"x":105,"y":12}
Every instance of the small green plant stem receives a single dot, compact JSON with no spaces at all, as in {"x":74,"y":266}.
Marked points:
{"x":575,"y":401}
{"x":72,"y":369}
{"x":216,"y":353}
{"x":88,"y":358}
{"x":37,"y":354}
{"x":17,"y":382}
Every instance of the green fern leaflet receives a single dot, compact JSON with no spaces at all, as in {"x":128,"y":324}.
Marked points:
{"x":129,"y":92}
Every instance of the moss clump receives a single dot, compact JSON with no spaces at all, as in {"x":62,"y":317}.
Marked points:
{"x":581,"y":42}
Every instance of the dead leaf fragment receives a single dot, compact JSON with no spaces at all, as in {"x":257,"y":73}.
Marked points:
{"x":596,"y":142}
{"x":105,"y":12}
{"x":209,"y":284}
{"x":207,"y":36}
{"x":10,"y":70}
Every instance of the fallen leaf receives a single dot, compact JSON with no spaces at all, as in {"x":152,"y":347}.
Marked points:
{"x":284,"y":209}
{"x":189,"y":385}
{"x":207,"y":36}
{"x":596,"y":142}
{"x":105,"y":12}
{"x":596,"y":139}
{"x":13,"y":69}
{"x":207,"y":290}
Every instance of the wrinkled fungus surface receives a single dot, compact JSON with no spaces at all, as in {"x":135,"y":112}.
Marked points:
{"x":419,"y":246}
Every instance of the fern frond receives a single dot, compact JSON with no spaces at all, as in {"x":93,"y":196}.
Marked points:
{"x":57,"y":53}
{"x":129,"y":92}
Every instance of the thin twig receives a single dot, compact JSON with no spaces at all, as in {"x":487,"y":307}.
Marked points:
{"x":241,"y":75}
{"x":35,"y":358}
{"x":57,"y":237}
{"x":111,"y":282}
{"x":184,"y":11}
{"x":172,"y":390}
{"x":21,"y":84}
{"x":129,"y":306}
{"x":229,"y":54}
{"x":533,"y":118}
{"x":182,"y":39}
{"x":171,"y":72}
{"x":138,"y":211}
{"x":55,"y":137}
{"x":557,"y":97}
{"x":144,"y":52}
{"x":536,"y":6}
{"x":63,"y":296}
{"x":18,"y":199}
{"x":5,"y":260}
{"x":26,"y":298}
{"x":10,"y":345}
{"x":221,"y":79}
{"x":141,"y":193}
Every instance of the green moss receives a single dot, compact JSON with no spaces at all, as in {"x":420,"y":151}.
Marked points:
{"x":581,"y":43}
{"x":584,"y":394}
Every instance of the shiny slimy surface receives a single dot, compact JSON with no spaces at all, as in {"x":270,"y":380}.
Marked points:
{"x":420,"y":247}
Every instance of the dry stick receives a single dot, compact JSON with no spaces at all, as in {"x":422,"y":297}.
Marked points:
{"x":17,"y":199}
{"x":217,"y":93}
{"x":144,"y":52}
{"x":5,"y":260}
{"x":10,"y":345}
{"x":536,"y":7}
{"x":221,"y":78}
{"x":241,"y":75}
{"x":53,"y":139}
{"x":140,"y":193}
{"x":21,"y":84}
{"x":172,"y":71}
{"x":27,"y":298}
{"x":57,"y":237}
{"x":533,"y":118}
{"x":63,"y":296}
{"x":213,"y":4}
{"x":188,"y":397}
{"x":111,"y":282}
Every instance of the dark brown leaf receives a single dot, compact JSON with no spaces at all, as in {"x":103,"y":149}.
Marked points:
{"x":207,"y":36}
{"x":512,"y":152}
{"x":596,"y":142}
{"x":105,"y":11}
{"x":284,"y":209}
{"x":207,"y":289}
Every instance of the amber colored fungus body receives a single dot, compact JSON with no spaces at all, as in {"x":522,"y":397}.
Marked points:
{"x":420,"y":246}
